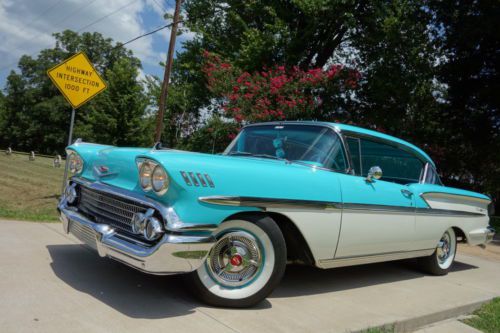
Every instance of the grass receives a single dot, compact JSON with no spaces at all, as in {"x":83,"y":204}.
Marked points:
{"x":487,"y":318}
{"x":29,"y":189}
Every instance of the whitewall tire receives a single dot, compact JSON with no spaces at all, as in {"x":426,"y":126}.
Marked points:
{"x":441,"y":261}
{"x":244,"y":266}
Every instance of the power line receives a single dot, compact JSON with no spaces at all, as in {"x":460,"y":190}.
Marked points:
{"x":59,"y":22}
{"x":79,"y":30}
{"x":144,"y":35}
{"x":160,"y":6}
{"x":106,"y":16}
{"x":39,"y":16}
{"x":119,"y":44}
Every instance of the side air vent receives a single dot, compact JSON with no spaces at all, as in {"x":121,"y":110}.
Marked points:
{"x":197,"y":179}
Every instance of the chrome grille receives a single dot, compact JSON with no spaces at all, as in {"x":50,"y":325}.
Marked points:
{"x":83,"y":233}
{"x":108,"y":209}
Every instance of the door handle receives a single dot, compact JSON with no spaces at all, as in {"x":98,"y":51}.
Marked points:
{"x":407,"y":193}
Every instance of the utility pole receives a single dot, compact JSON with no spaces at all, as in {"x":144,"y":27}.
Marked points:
{"x":166,"y":76}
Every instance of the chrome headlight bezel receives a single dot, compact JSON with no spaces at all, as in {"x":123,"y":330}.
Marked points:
{"x":75,"y":162}
{"x":159,"y":180}
{"x":148,"y":169}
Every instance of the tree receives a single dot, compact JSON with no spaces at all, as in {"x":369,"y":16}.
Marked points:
{"x":470,"y":117}
{"x":278,"y":93}
{"x":36,"y":116}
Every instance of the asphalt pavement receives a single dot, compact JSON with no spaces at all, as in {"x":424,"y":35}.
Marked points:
{"x":49,"y":282}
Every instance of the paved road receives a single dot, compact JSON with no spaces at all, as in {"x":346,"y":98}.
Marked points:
{"x":51,"y":283}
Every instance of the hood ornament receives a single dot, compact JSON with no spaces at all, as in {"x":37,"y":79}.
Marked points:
{"x":103,"y":171}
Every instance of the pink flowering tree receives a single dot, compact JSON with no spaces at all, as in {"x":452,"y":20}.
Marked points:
{"x":277,"y":93}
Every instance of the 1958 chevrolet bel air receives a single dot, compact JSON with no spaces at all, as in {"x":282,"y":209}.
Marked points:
{"x":322,"y":194}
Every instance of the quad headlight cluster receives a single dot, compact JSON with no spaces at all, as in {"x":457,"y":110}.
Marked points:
{"x":152,"y":176}
{"x":147,"y":225}
{"x":75,"y":162}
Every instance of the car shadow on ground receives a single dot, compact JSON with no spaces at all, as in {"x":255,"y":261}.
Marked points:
{"x":305,"y":280}
{"x":140,"y":295}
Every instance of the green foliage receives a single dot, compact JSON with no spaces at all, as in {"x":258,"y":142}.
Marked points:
{"x":429,"y":69}
{"x":211,"y":138}
{"x":487,"y":318}
{"x":36,"y":116}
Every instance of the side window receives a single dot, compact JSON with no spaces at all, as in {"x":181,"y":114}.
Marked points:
{"x":355,"y":151}
{"x":397,"y":165}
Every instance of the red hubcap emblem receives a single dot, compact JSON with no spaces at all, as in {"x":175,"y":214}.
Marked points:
{"x":236,"y":260}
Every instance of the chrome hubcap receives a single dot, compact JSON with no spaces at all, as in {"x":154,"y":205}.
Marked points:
{"x":443,"y":250}
{"x":235,"y":259}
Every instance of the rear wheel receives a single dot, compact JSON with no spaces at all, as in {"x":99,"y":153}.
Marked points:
{"x":244,"y":266}
{"x":440,"y":262}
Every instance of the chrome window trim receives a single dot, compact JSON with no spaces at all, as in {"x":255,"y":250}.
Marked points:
{"x":409,"y":150}
{"x":423,"y":176}
{"x":335,"y":129}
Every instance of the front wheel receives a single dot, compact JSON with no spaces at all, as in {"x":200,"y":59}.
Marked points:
{"x":440,"y":262}
{"x":244,"y":266}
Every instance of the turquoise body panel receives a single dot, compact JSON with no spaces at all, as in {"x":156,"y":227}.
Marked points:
{"x":248,"y":177}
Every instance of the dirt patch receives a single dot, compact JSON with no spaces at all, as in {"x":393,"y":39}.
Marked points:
{"x":491,"y":252}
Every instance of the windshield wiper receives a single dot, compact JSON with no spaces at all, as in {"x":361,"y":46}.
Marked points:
{"x":268,"y":156}
{"x":239,"y":153}
{"x":245,"y":153}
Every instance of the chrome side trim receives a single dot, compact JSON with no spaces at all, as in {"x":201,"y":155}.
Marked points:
{"x":269,"y":202}
{"x":209,"y":180}
{"x":453,"y":196}
{"x":186,"y":178}
{"x":193,"y":179}
{"x":323,"y":205}
{"x":373,"y":258}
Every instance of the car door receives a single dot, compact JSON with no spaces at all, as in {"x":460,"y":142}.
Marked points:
{"x":378,"y":216}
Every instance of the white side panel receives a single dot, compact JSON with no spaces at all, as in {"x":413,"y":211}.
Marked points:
{"x":320,"y":229}
{"x":367,"y":232}
{"x":430,"y":228}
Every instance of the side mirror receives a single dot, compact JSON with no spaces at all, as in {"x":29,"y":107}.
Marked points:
{"x":374,"y":173}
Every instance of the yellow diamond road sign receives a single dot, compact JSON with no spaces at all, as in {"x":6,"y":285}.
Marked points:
{"x":77,"y":79}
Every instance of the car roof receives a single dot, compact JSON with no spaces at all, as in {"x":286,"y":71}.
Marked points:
{"x":360,"y":131}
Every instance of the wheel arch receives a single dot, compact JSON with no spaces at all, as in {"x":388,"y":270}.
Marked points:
{"x":460,"y":235}
{"x":298,"y":250}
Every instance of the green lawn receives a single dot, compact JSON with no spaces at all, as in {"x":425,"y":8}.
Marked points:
{"x":487,"y":318}
{"x":29,"y":189}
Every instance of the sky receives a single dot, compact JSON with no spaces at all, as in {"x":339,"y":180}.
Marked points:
{"x":26,"y":27}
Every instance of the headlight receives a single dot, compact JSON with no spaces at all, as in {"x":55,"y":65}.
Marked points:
{"x":75,"y":163}
{"x":152,"y":176}
{"x":160,"y":180}
{"x":145,"y":175}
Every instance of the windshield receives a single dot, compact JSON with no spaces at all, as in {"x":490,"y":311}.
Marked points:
{"x":315,"y":145}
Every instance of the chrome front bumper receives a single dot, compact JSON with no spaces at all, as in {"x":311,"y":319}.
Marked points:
{"x":174,"y":253}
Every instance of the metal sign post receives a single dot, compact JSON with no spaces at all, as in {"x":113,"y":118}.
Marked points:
{"x":70,"y":139}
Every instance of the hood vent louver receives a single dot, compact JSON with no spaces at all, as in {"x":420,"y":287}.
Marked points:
{"x":197,"y":179}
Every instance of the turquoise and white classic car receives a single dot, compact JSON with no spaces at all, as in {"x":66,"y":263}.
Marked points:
{"x":314,"y":193}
